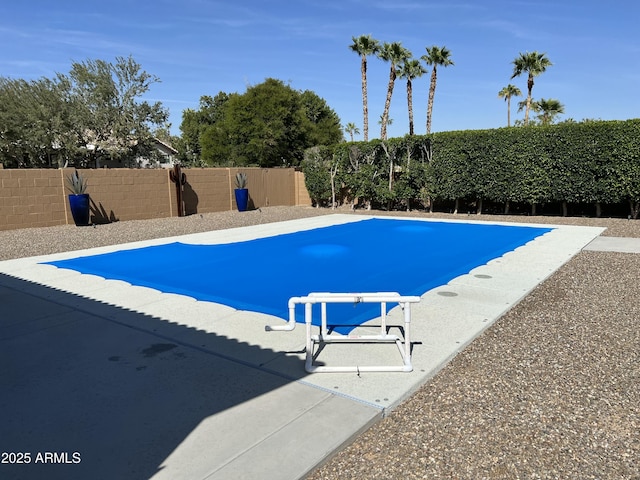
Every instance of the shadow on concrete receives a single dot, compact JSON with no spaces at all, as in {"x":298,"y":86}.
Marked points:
{"x":110,"y":392}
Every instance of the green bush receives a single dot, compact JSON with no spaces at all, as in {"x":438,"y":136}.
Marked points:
{"x":594,"y":162}
{"x":317,"y":177}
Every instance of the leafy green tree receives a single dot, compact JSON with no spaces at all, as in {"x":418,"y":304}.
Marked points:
{"x":395,"y":54}
{"x":269,"y":125}
{"x":361,"y":170}
{"x":190,"y":129}
{"x":351,"y":129}
{"x":452,"y":168}
{"x":533,"y":64}
{"x":411,"y":183}
{"x":217,"y":142}
{"x":34,"y":123}
{"x":318,"y":169}
{"x":196,"y":122}
{"x":212,"y":108}
{"x":93,"y":111}
{"x":163,"y":133}
{"x":506,"y":93}
{"x":593,"y":162}
{"x":410,"y":69}
{"x":624,"y":139}
{"x":107,"y":116}
{"x":436,"y":56}
{"x":364,"y":45}
{"x":323,"y":124}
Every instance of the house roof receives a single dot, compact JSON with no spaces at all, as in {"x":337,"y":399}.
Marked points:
{"x":166,"y":145}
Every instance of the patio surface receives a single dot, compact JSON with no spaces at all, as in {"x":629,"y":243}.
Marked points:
{"x":121,"y":381}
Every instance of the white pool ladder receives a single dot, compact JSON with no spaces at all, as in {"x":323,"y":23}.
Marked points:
{"x":324,"y":337}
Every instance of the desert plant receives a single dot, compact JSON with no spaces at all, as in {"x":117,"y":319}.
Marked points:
{"x":76,"y":183}
{"x":241,"y":180}
{"x":180,"y":179}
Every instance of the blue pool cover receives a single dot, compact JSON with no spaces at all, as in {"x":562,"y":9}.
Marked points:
{"x":373,"y":255}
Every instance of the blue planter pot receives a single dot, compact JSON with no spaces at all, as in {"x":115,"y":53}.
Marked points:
{"x":79,"y":205}
{"x":242,"y":198}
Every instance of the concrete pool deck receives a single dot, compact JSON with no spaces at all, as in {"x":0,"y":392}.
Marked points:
{"x":142,"y":384}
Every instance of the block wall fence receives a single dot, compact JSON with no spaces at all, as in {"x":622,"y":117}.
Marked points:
{"x":38,"y":197}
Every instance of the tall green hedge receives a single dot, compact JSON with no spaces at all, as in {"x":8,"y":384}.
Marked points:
{"x":594,"y":162}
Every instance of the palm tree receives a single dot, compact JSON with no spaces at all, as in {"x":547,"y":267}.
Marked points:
{"x":410,"y":69}
{"x":435,"y":56}
{"x":548,"y":110}
{"x":395,"y":54}
{"x":506,"y":93}
{"x":389,"y":120}
{"x":352,"y":130}
{"x":534,"y":64}
{"x":365,"y":45}
{"x":522,"y":104}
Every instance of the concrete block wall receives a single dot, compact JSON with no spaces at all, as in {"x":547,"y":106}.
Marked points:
{"x":31,"y":198}
{"x":126,"y":194}
{"x":38,"y":197}
{"x":301,"y":194}
{"x":207,"y":190}
{"x":269,"y":187}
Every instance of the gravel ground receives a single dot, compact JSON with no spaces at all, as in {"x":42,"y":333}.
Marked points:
{"x":41,"y":241}
{"x":551,"y":390}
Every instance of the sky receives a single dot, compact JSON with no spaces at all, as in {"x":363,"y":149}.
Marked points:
{"x":202,"y":47}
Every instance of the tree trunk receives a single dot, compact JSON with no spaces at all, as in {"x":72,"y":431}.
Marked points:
{"x":506,"y":207}
{"x":333,"y":194}
{"x":365,"y":106}
{"x":635,"y":208}
{"x":334,"y":172}
{"x":387,"y":102}
{"x":598,"y":210}
{"x":390,"y":158}
{"x":432,"y":92}
{"x":565,"y":209}
{"x":533,"y":209}
{"x":455,"y":209}
{"x":529,"y":88}
{"x":479,"y":209}
{"x":410,"y":105}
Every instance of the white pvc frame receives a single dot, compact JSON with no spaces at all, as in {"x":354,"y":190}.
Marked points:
{"x":324,"y":337}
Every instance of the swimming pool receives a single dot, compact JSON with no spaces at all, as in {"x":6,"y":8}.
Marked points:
{"x":374,"y":254}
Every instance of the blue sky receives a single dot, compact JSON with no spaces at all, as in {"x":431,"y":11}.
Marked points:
{"x":202,"y":47}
